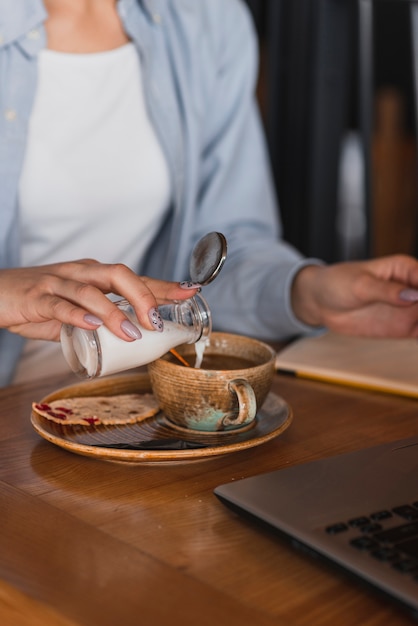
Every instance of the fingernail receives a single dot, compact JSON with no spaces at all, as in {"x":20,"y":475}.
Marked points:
{"x":92,"y":319}
{"x":409,"y":295}
{"x":187,"y":284}
{"x":131,"y":330}
{"x":156,"y":319}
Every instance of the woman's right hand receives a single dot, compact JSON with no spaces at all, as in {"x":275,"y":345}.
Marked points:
{"x":35,"y":301}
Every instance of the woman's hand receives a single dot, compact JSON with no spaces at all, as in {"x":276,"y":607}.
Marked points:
{"x":35,"y":301}
{"x":372,"y":298}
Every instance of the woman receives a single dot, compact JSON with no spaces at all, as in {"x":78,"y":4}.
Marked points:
{"x":129,"y":130}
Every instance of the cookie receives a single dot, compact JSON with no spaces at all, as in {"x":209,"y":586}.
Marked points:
{"x":94,"y":410}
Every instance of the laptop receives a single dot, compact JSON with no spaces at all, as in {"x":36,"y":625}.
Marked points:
{"x":358,"y":511}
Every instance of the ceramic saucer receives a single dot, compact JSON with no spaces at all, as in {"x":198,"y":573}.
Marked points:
{"x":273,"y":418}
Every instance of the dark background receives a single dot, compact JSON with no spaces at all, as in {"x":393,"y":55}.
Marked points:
{"x":309,"y":97}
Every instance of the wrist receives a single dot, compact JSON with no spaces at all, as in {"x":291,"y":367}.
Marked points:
{"x":304,"y":295}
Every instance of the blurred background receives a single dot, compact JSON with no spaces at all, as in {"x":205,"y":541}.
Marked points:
{"x":336,"y":91}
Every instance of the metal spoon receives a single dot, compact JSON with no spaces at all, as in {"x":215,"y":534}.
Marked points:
{"x":208,"y":257}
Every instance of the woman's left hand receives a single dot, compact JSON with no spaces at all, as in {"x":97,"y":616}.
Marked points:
{"x":378,"y":297}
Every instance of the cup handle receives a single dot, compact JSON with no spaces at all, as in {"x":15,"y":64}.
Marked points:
{"x":246,"y":402}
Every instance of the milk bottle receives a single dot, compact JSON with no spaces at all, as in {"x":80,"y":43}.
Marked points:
{"x":99,"y":352}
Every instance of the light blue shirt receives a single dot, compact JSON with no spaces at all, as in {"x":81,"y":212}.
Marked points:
{"x":199,"y":63}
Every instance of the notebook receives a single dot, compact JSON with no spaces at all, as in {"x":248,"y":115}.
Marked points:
{"x":358,"y":511}
{"x":386,"y":365}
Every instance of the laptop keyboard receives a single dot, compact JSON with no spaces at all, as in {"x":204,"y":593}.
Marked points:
{"x":389,"y":535}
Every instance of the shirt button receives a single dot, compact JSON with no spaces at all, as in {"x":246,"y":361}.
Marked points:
{"x":10,"y":115}
{"x":1,"y":39}
{"x":33,"y":34}
{"x":156,"y":18}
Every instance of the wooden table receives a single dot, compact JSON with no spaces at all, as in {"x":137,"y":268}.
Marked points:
{"x":85,"y":541}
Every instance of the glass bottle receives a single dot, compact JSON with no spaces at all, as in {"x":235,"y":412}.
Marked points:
{"x":99,"y":352}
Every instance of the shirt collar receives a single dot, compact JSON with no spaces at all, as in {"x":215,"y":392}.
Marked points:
{"x":152,"y":8}
{"x":17,"y":19}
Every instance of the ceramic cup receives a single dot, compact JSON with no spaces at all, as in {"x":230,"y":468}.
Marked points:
{"x":224,"y":393}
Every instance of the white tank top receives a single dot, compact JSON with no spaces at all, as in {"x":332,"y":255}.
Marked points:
{"x":95,"y":182}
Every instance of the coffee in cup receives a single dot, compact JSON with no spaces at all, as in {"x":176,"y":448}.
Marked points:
{"x":225,"y":393}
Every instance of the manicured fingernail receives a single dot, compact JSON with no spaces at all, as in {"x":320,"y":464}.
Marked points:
{"x":156,"y":319}
{"x":92,"y":319}
{"x":187,"y":284}
{"x":409,"y":295}
{"x":131,"y":330}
